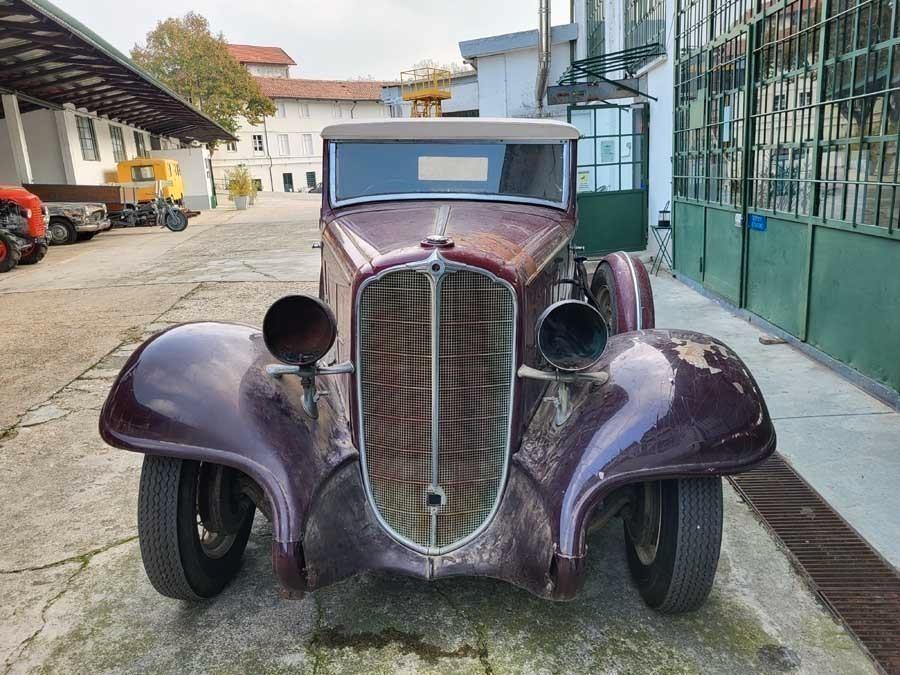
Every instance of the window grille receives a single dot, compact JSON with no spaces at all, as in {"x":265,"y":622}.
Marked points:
{"x":118,"y":143}
{"x":88,"y":139}
{"x":140,"y":145}
{"x":824,"y":103}
{"x":596,"y":28}
{"x":644,"y":25}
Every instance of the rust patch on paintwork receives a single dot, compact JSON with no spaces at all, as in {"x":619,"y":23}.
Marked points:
{"x":696,"y":353}
{"x":502,"y":249}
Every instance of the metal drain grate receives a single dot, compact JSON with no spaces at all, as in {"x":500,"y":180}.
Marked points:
{"x":854,"y":581}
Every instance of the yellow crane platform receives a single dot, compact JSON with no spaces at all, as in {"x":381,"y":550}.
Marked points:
{"x":425,"y":88}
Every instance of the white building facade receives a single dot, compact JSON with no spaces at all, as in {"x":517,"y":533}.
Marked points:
{"x":74,"y":147}
{"x":284,"y":152}
{"x":507,"y":70}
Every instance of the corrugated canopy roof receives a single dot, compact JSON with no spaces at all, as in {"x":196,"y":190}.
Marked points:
{"x":331,"y":90}
{"x":48,"y":59}
{"x":262,"y":55}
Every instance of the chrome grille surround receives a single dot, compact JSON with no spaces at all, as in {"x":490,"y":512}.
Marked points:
{"x":435,"y":390}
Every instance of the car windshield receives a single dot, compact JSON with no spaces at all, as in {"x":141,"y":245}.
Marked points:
{"x":367,"y":170}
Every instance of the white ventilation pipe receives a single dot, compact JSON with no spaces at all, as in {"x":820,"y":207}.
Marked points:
{"x":543,"y":72}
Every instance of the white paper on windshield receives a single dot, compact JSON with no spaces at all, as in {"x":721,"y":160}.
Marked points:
{"x":453,"y":168}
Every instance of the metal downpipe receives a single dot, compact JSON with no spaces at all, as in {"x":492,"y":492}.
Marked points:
{"x":543,"y":71}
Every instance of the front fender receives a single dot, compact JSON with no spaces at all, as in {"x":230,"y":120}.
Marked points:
{"x":677,"y":404}
{"x":200,"y":391}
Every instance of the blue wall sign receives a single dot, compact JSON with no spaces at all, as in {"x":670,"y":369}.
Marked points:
{"x":758,"y":222}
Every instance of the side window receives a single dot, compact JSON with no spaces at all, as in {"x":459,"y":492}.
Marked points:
{"x":88,"y":139}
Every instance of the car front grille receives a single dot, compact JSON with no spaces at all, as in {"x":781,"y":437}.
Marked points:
{"x":474,"y":319}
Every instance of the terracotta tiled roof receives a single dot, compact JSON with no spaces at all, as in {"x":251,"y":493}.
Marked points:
{"x":279,"y":87}
{"x":254,"y":54}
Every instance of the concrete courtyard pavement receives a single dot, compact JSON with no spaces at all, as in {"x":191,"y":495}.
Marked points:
{"x":73,"y":595}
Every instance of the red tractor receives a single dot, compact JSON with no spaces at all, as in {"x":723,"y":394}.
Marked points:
{"x":23,"y":228}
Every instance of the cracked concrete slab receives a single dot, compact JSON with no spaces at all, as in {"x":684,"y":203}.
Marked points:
{"x":80,"y":602}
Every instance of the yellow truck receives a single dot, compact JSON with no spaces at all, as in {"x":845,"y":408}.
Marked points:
{"x":150,"y":170}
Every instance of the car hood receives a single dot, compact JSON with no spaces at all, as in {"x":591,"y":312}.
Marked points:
{"x":513,"y":241}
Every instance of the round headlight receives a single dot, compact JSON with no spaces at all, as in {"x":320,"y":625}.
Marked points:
{"x":571,"y":335}
{"x":299,"y":329}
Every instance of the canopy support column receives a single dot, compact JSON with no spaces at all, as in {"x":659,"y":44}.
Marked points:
{"x":18,"y":145}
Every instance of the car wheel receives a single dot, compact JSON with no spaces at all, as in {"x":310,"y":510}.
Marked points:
{"x":35,"y":254}
{"x":9,"y":253}
{"x":61,"y":231}
{"x":603,"y":287}
{"x":673,"y":534}
{"x":86,"y":236}
{"x":176,"y":221}
{"x":193,"y":526}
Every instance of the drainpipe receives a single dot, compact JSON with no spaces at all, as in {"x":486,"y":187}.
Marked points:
{"x":540,"y":86}
{"x":268,"y":154}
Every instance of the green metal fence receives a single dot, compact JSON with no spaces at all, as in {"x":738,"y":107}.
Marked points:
{"x":787,"y":193}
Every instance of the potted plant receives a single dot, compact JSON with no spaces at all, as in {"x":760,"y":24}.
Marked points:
{"x":240,"y":187}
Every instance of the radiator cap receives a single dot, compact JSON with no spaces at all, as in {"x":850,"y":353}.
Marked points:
{"x":437,"y":241}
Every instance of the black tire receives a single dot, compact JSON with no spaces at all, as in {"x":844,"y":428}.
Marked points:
{"x":176,"y":221}
{"x":86,"y":236}
{"x":35,"y":254}
{"x":605,"y":291}
{"x":177,"y":563}
{"x":61,"y":231}
{"x":9,"y":253}
{"x":676,"y":574}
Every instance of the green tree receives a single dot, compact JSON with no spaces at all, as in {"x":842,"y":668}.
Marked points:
{"x":187,"y":57}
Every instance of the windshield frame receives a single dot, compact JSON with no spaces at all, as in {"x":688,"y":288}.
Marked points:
{"x":463,"y":196}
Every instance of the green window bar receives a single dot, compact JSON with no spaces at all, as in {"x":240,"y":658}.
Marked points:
{"x":824,"y":126}
{"x":596,"y":28}
{"x":645,"y":25}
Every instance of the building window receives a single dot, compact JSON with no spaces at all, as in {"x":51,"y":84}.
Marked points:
{"x":118,"y":143}
{"x":258,"y":145}
{"x":307,"y":144}
{"x":280,"y":109}
{"x":336,"y":111}
{"x":304,"y":110}
{"x":231,"y":146}
{"x":88,"y":139}
{"x":140,"y":145}
{"x":596,"y":28}
{"x":284,"y":145}
{"x":645,"y":26}
{"x":311,"y":179}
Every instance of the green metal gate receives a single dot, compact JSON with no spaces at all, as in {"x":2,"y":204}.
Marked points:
{"x":611,"y":177}
{"x":787,"y":200}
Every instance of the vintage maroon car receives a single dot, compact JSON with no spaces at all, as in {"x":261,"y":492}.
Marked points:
{"x":459,"y":399}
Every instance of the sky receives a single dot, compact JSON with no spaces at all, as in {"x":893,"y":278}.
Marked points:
{"x":336,"y":39}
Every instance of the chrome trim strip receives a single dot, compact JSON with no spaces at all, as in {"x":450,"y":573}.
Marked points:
{"x":637,"y":292}
{"x":456,"y":196}
{"x":424,"y":266}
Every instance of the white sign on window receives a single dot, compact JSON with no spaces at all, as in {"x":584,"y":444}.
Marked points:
{"x":453,"y":168}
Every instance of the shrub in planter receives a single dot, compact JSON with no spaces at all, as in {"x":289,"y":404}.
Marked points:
{"x":240,"y":187}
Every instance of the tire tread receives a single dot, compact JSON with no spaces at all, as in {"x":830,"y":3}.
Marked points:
{"x":699,"y":543}
{"x":158,"y":527}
